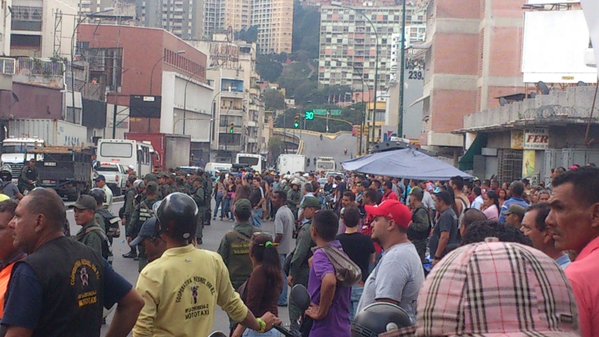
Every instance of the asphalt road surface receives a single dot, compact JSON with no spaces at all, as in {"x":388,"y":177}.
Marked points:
{"x":128,"y":267}
{"x":329,"y":147}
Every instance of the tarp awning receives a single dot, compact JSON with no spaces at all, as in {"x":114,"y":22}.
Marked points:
{"x":467,"y":161}
{"x":405,"y":163}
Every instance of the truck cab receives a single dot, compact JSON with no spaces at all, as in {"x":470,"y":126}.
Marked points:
{"x":17,"y":151}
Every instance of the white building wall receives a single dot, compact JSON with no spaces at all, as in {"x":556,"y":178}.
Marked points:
{"x":189,"y":100}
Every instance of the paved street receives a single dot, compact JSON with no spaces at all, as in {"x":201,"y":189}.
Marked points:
{"x":212,"y":237}
{"x":329,"y":147}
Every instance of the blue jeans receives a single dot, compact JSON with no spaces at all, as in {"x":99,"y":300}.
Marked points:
{"x":257,"y":216}
{"x":219,"y":201}
{"x":283,"y":297}
{"x":356,"y":293}
{"x":252,"y":333}
{"x":226,"y":209}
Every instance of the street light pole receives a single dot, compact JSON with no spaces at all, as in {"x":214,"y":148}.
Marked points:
{"x":402,"y":72}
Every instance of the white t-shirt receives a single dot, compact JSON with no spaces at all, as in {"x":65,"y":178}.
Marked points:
{"x":478,"y":202}
{"x":398,"y":276}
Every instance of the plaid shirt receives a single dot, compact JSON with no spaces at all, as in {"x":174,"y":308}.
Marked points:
{"x":498,"y":288}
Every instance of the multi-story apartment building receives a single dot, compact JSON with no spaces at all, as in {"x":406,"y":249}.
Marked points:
{"x":237,"y":106}
{"x":184,"y":18}
{"x":348,"y":43}
{"x":273,"y":18}
{"x":43,"y":28}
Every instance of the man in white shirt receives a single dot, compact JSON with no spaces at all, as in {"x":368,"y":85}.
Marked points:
{"x":284,"y":224}
{"x":101,"y":183}
{"x":478,"y":201}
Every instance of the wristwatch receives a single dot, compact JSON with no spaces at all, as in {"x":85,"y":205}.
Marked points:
{"x":261,"y":324}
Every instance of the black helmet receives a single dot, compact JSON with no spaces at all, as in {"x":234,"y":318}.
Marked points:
{"x":379,"y":318}
{"x":177,"y":216}
{"x":5,"y":175}
{"x":99,"y":195}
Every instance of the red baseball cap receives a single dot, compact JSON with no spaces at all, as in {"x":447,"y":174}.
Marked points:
{"x":392,"y":209}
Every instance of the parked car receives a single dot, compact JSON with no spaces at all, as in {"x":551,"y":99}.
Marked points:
{"x":115,"y":174}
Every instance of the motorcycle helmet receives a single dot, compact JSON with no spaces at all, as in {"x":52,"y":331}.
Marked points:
{"x":177,"y":216}
{"x":139,"y":185}
{"x":379,"y":318}
{"x":99,"y":195}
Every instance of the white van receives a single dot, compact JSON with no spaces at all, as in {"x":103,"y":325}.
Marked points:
{"x":127,"y":153}
{"x":215,"y":168}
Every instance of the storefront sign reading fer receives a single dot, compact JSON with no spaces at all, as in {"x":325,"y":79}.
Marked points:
{"x":536,"y":139}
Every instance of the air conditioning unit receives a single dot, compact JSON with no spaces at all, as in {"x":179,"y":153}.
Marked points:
{"x":7,"y":66}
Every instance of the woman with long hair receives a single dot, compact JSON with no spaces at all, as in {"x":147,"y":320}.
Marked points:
{"x":263,"y":288}
{"x":502,"y":194}
{"x":491,"y":205}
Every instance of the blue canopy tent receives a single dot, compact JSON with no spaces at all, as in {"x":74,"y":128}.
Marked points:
{"x":405,"y":163}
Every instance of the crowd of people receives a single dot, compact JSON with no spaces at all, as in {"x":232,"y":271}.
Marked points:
{"x":452,"y":258}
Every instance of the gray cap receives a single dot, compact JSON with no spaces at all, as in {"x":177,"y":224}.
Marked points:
{"x":149,"y":229}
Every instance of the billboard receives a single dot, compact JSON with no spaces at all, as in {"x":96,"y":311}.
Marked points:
{"x":145,"y":106}
{"x":555,"y":43}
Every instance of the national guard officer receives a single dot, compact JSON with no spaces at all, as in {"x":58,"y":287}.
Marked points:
{"x":235,"y":246}
{"x":198,"y":194}
{"x":143,"y":212}
{"x":132,"y":200}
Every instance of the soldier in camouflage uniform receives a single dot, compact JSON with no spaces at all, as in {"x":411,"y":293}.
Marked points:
{"x":133,"y":197}
{"x":198,"y":193}
{"x":208,"y":192}
{"x":235,"y":246}
{"x":143,"y":212}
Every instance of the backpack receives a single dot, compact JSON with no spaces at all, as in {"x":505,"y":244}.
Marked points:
{"x":111,"y":223}
{"x":106,"y":246}
{"x":347,"y":271}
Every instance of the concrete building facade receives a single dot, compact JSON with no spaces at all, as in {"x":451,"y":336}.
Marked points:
{"x":184,"y":18}
{"x":158,"y":79}
{"x":473,"y":57}
{"x":43,"y":29}
{"x":348,"y":44}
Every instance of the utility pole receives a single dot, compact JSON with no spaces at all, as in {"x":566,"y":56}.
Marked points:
{"x":402,"y":72}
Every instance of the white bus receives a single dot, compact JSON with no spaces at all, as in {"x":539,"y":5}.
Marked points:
{"x":127,"y":153}
{"x":255,"y":161}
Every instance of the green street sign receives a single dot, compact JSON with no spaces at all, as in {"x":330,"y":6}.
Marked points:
{"x":309,"y":115}
{"x":320,"y":112}
{"x":336,"y":112}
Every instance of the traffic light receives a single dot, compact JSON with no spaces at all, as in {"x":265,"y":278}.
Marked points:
{"x":296,"y":123}
{"x":231,"y":128}
{"x":309,"y":115}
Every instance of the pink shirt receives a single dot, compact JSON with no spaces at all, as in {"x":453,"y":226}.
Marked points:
{"x":492,"y":213}
{"x":582,"y":273}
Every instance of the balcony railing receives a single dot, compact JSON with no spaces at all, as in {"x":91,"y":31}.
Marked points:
{"x":570,"y":106}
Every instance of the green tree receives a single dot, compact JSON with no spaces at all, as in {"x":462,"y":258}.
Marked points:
{"x":273,"y":100}
{"x":268,"y":68}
